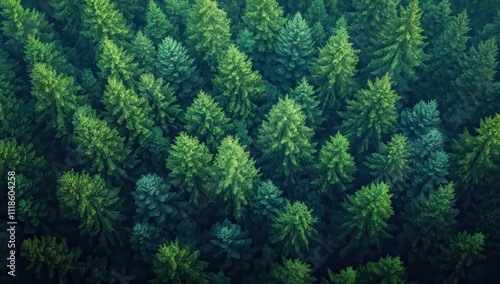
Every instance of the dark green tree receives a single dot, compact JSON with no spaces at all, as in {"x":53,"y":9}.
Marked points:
{"x":176,"y":264}
{"x":365,"y":219}
{"x":399,"y":48}
{"x":205,"y":119}
{"x":70,"y":12}
{"x":157,"y":24}
{"x":101,"y":20}
{"x":234,"y":176}
{"x":432,"y":172}
{"x":208,"y":30}
{"x":387,"y":270}
{"x":334,"y":69}
{"x":305,"y":95}
{"x":294,"y":50}
{"x":292,"y":271}
{"x":435,"y":18}
{"x":286,"y":140}
{"x":237,"y":85}
{"x":420,"y":120}
{"x":371,"y":114}
{"x":144,"y":52}
{"x":293,"y":228}
{"x":145,"y":241}
{"x":266,"y":202}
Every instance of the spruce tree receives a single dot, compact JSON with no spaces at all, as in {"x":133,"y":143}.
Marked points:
{"x":387,"y":270}
{"x":371,"y":114}
{"x":334,"y":69}
{"x":237,"y":85}
{"x":436,"y":18}
{"x":290,"y":272}
{"x":144,"y":52}
{"x":157,"y":24}
{"x":305,"y":95}
{"x":419,"y":120}
{"x":102,"y":19}
{"x":70,"y":12}
{"x":36,"y":51}
{"x":266,"y":202}
{"x":347,"y":275}
{"x":115,"y":62}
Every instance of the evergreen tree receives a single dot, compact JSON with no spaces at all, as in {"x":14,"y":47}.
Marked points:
{"x":387,"y":270}
{"x":234,"y":176}
{"x":70,"y":12}
{"x":293,"y":227}
{"x":103,"y":149}
{"x":208,"y":30}
{"x":305,"y":95}
{"x":430,"y":219}
{"x":114,"y":62}
{"x":56,"y":97}
{"x":345,"y":276}
{"x":371,"y":114}
{"x":398,"y":48}
{"x":161,"y":100}
{"x":55,"y":255}
{"x":189,"y":163}
{"x":205,"y":119}
{"x":88,"y":200}
{"x":238,"y":85}
{"x":431,"y":172}
{"x":176,"y":67}
{"x":334,"y":69}
{"x":286,"y":140}
{"x":336,"y":166}
{"x":176,"y":264}
{"x":294,"y":50}
{"x":144,"y":52}
{"x":391,"y":163}
{"x":292,"y":271}
{"x":435,"y":18}
{"x":157,"y":24}
{"x":266,"y":202}
{"x":420,"y":120}
{"x":365,"y":219}
{"x":101,"y":20}
{"x":36,"y":51}
{"x":128,"y":108}
{"x":264,"y":18}
{"x":145,"y":240}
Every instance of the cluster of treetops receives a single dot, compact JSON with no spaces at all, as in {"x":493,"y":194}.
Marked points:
{"x":257,"y":141}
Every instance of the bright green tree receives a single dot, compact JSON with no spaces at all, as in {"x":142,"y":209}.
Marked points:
{"x":334,"y":69}
{"x":144,"y":52}
{"x":336,"y":166}
{"x":101,"y":19}
{"x":189,"y":163}
{"x":161,"y":101}
{"x":347,"y":275}
{"x":294,"y":50}
{"x":88,"y":200}
{"x":176,"y":264}
{"x":157,"y":24}
{"x":365,"y":219}
{"x":293,"y":228}
{"x":391,"y":163}
{"x":208,"y":30}
{"x":103,"y":149}
{"x":238,"y":85}
{"x":55,"y":255}
{"x":234,"y":176}
{"x":286,"y":140}
{"x":371,"y":114}
{"x":56,"y":97}
{"x":264,"y":18}
{"x":292,"y":271}
{"x":430,"y":219}
{"x":399,"y":48}
{"x":36,"y":51}
{"x":127,"y":108}
{"x":387,"y":270}
{"x":205,"y":119}
{"x":305,"y":95}
{"x":115,"y":62}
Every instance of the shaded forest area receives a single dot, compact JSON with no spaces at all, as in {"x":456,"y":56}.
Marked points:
{"x":257,"y":141}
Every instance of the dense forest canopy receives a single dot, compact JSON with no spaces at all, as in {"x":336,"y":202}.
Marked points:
{"x":250,"y":141}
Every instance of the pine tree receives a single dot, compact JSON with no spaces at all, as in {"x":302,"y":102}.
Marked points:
{"x":238,"y":85}
{"x":144,"y":52}
{"x":127,"y":108}
{"x":88,"y":200}
{"x":103,"y":149}
{"x":336,"y":166}
{"x":305,"y":95}
{"x":430,"y":219}
{"x":101,"y":20}
{"x":266,"y":202}
{"x":176,"y":264}
{"x":334,"y":69}
{"x":114,"y":62}
{"x":391,"y":163}
{"x":56,"y":97}
{"x":293,"y":227}
{"x":189,"y":163}
{"x":55,"y":255}
{"x":208,"y":30}
{"x":371,"y":114}
{"x":290,"y":272}
{"x":264,"y":18}
{"x":157,"y":24}
{"x":234,"y":176}
{"x":365,"y":219}
{"x":398,"y":48}
{"x":205,"y":119}
{"x":294,"y":50}
{"x":387,"y":270}
{"x":286,"y":140}
{"x":161,"y":101}
{"x":176,"y":67}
